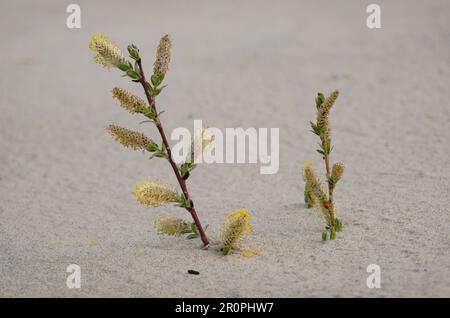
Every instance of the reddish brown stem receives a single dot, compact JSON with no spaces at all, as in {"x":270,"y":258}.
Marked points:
{"x":180,"y":179}
{"x":326,"y":158}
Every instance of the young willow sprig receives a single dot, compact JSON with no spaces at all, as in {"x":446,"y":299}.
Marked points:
{"x":315,"y":195}
{"x":236,"y":228}
{"x":149,"y":192}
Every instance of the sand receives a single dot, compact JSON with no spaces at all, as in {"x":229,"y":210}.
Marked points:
{"x":65,"y":186}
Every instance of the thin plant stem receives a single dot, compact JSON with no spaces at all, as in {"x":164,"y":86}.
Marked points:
{"x":181,"y":181}
{"x":326,"y":158}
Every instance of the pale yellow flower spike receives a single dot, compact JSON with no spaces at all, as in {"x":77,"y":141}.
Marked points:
{"x":154,"y":193}
{"x":108,"y":54}
{"x":337,"y":172}
{"x":324,"y":110}
{"x":236,"y":228}
{"x":163,"y":53}
{"x":170,"y":225}
{"x":129,"y":101}
{"x":130,"y":138}
{"x":313,"y":182}
{"x":319,"y":197}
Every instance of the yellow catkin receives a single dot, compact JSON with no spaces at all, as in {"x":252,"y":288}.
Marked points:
{"x":170,"y":225}
{"x":129,"y":101}
{"x":337,"y":172}
{"x":108,"y":54}
{"x":130,"y":138}
{"x":324,"y":110}
{"x":319,"y":197}
{"x":313,"y":182}
{"x":163,"y":53}
{"x":154,"y":193}
{"x":236,"y":228}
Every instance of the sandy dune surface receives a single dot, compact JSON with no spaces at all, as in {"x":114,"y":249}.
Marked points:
{"x":65,"y":186}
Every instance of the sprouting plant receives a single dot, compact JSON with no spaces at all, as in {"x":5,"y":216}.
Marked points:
{"x":315,"y":195}
{"x":236,"y":228}
{"x":150,"y":192}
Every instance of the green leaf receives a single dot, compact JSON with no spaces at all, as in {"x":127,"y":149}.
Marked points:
{"x":226,"y":249}
{"x":195,"y":229}
{"x":186,"y":231}
{"x":192,"y":236}
{"x":319,"y":100}
{"x":157,"y":79}
{"x":338,"y":225}
{"x":153,"y":147}
{"x":150,"y":114}
{"x":123,"y":67}
{"x":328,"y":147}
{"x":183,"y":203}
{"x":148,"y":86}
{"x":160,"y":154}
{"x":324,"y":235}
{"x":133,"y":74}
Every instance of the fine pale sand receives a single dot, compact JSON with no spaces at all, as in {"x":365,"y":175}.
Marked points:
{"x":65,"y":186}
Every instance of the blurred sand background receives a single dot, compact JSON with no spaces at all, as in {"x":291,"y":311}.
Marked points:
{"x":65,"y":186}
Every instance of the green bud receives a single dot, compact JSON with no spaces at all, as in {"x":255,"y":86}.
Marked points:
{"x":134,"y":52}
{"x":123,"y":67}
{"x":153,"y":147}
{"x":319,"y":99}
{"x":332,"y":235}
{"x":160,"y":154}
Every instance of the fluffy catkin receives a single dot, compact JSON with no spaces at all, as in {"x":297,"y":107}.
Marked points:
{"x":313,"y":183}
{"x":337,"y":172}
{"x":324,"y":110}
{"x":161,"y":65}
{"x":170,"y":225}
{"x":317,"y":193}
{"x":154,"y":193}
{"x":129,"y":101}
{"x":108,"y":54}
{"x":236,"y":228}
{"x":130,"y":138}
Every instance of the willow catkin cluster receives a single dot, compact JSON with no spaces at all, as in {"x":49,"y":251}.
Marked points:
{"x":170,"y":225}
{"x":130,"y":138}
{"x":313,"y":183}
{"x":337,"y":172}
{"x":108,"y":53}
{"x":324,"y":111}
{"x":129,"y":101}
{"x":154,"y":193}
{"x":319,"y":197}
{"x":236,"y":228}
{"x":161,"y":65}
